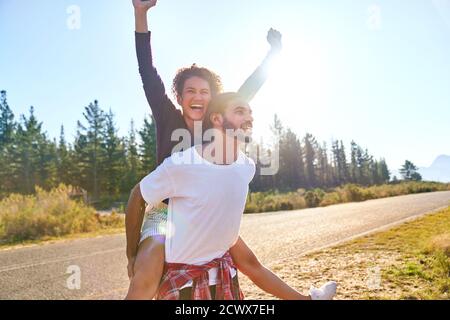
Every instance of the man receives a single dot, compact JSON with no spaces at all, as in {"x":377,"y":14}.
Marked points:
{"x":207,"y":186}
{"x":194,"y":87}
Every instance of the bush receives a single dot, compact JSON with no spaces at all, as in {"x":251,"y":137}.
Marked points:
{"x":314,"y":197}
{"x":270,"y":201}
{"x":352,"y":192}
{"x":274,"y":201}
{"x":49,"y":214}
{"x":439,"y":243}
{"x":251,"y":208}
{"x":331,"y":198}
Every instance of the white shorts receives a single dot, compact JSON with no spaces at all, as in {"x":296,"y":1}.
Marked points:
{"x":154,"y":225}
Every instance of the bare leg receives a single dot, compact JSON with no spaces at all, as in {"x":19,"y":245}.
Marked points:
{"x":148,"y":270}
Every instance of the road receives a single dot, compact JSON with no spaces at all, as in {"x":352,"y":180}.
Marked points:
{"x":49,"y":271}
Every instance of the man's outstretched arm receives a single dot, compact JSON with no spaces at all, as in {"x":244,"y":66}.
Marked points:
{"x":246,"y":261}
{"x":253,"y":83}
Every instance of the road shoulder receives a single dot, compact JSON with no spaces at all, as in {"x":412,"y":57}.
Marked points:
{"x":409,"y":261}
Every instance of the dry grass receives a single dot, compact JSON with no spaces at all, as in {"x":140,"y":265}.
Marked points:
{"x":410,"y":261}
{"x":273,"y":201}
{"x":49,"y":214}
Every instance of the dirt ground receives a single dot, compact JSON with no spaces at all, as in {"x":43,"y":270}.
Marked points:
{"x":357,"y":271}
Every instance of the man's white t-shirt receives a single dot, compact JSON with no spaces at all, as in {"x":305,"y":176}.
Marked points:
{"x":206,"y":203}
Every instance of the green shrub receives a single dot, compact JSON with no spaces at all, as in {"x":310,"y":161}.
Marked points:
{"x":330,"y":199}
{"x":275,"y":201}
{"x":314,"y":197}
{"x":49,"y":214}
{"x":251,"y":208}
{"x":352,"y":192}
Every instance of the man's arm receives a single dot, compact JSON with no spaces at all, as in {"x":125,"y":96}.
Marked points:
{"x":246,"y":261}
{"x":253,"y":83}
{"x":133,"y":222}
{"x":162,"y":107}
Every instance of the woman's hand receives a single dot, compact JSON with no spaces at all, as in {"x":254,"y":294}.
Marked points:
{"x":143,"y":5}
{"x":130,"y":267}
{"x":141,"y":8}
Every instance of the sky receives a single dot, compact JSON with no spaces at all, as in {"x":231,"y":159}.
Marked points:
{"x":377,"y":72}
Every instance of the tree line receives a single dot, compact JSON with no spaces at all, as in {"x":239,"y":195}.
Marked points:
{"x":98,"y":160}
{"x":107,"y":165}
{"x":306,"y":163}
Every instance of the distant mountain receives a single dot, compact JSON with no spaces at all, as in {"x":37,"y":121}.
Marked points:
{"x":438,"y":171}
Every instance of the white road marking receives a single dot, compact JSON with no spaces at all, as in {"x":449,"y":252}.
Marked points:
{"x":29,"y":265}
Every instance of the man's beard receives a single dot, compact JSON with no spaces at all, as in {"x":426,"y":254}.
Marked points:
{"x":227,"y":125}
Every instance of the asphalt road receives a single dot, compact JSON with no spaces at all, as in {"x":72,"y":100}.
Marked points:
{"x":52,"y":271}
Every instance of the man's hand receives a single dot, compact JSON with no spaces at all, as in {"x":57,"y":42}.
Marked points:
{"x":130,"y":267}
{"x":274,"y":39}
{"x":144,"y":5}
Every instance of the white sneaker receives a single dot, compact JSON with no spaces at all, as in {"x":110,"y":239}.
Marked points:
{"x":325,"y":292}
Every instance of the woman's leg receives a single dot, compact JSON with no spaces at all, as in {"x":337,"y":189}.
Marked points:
{"x":148,"y":269}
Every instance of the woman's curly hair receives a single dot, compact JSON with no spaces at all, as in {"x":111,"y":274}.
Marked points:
{"x":215,"y":83}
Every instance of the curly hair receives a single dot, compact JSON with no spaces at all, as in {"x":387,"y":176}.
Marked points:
{"x":215,"y":83}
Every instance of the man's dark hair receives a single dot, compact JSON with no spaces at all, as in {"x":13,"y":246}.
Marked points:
{"x":219,"y":104}
{"x":215,"y":83}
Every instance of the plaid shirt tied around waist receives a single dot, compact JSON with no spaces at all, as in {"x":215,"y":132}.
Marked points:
{"x":176,"y":275}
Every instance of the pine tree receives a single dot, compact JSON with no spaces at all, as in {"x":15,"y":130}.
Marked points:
{"x":409,"y":171}
{"x":90,"y":146}
{"x":80,"y":158}
{"x":48,"y":164}
{"x":65,"y":163}
{"x":343,"y":165}
{"x":114,"y":161}
{"x":310,"y":155}
{"x":291,"y":171}
{"x":384,"y":171}
{"x":31,"y":155}
{"x":360,"y":164}
{"x":336,"y":166}
{"x":324,"y":170}
{"x":366,"y":162}
{"x":276,"y":127}
{"x":7,"y":136}
{"x":277,"y":135}
{"x":7,"y":124}
{"x":355,"y":173}
{"x":133,"y":163}
{"x":147,"y":147}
